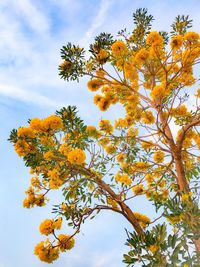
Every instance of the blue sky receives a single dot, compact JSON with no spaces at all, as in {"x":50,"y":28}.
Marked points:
{"x":31,"y":35}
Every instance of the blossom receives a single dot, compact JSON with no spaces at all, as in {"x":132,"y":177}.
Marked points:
{"x":147,"y":117}
{"x":65,"y":242}
{"x":53,"y":122}
{"x":94,"y":85}
{"x":158,"y":92}
{"x":25,"y":132}
{"x":158,"y":156}
{"x":110,"y":149}
{"x":191,"y":37}
{"x":46,"y":252}
{"x":141,"y":56}
{"x":176,"y":42}
{"x":76,"y":156}
{"x":153,"y":248}
{"x":123,"y":178}
{"x":106,"y":126}
{"x":47,"y":227}
{"x":36,"y":124}
{"x":154,"y":39}
{"x":138,"y":189}
{"x":142,"y":219}
{"x":119,"y":48}
{"x":93,"y":132}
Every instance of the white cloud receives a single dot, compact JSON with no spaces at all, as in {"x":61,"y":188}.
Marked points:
{"x":32,"y":16}
{"x":27,"y":96}
{"x":97,"y":21}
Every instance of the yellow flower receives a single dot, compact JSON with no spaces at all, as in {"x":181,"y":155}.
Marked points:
{"x":158,"y":156}
{"x":35,"y":124}
{"x":176,"y":42}
{"x":149,"y":178}
{"x":23,"y":148}
{"x":76,"y":156}
{"x":141,"y":56}
{"x":158,"y":92}
{"x":198,"y":93}
{"x":25,"y":132}
{"x":106,"y":126}
{"x":65,"y":65}
{"x":191,"y":37}
{"x":147,"y":117}
{"x":48,"y":155}
{"x":47,"y":227}
{"x":142,"y":219}
{"x":111,"y":149}
{"x":123,"y":178}
{"x":53,"y":122}
{"x":97,"y":99}
{"x":104,"y":103}
{"x":46,"y":252}
{"x":186,"y":197}
{"x":66,"y":242}
{"x":57,"y":223}
{"x":102,"y":55}
{"x":120,"y":157}
{"x":93,"y":132}
{"x":64,"y":149}
{"x":94,"y":85}
{"x":119,"y":48}
{"x":154,"y":39}
{"x":138,"y":189}
{"x":153,"y":248}
{"x":104,"y":141}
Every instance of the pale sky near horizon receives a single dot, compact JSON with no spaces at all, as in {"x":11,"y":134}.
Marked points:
{"x":32,"y":33}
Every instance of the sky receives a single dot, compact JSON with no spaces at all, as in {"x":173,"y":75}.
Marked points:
{"x":31,"y":35}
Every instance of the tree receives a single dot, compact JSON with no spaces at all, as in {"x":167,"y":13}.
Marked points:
{"x":153,"y":76}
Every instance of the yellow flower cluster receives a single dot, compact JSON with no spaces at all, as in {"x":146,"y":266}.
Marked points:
{"x":176,"y":42}
{"x":46,"y":252}
{"x":120,"y":157}
{"x":25,"y":132}
{"x":76,"y":156}
{"x":158,"y":156}
{"x":147,"y":117}
{"x":123,"y":178}
{"x":154,"y":248}
{"x":33,"y":199}
{"x":55,"y":178}
{"x":154,"y":39}
{"x":141,"y":56}
{"x":93,"y":132}
{"x":65,"y":242}
{"x":111,"y":149}
{"x":48,"y":226}
{"x":52,"y":122}
{"x":119,"y":49}
{"x":94,"y":85}
{"x":106,"y":126}
{"x":102,"y":56}
{"x":138,"y":189}
{"x":143,"y":220}
{"x":23,"y":147}
{"x":158,"y":93}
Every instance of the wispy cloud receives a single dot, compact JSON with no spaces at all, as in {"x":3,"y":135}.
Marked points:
{"x":27,"y":96}
{"x":32,"y":16}
{"x":98,"y":20}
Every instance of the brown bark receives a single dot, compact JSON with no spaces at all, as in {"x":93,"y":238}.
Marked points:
{"x":126,"y":211}
{"x":176,"y":153}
